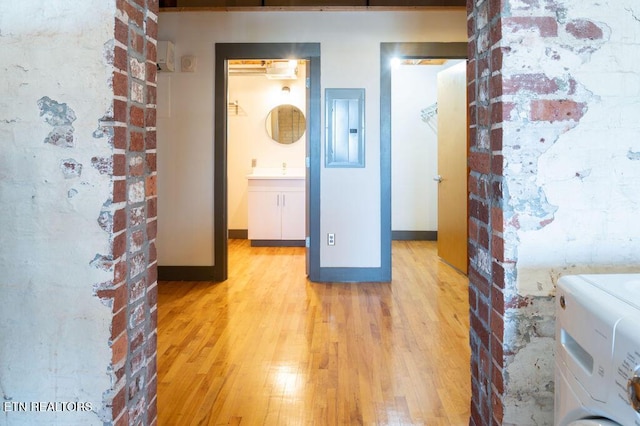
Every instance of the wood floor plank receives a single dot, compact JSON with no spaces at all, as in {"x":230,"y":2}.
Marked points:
{"x":268,"y":347}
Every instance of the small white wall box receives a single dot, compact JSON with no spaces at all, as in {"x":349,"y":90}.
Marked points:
{"x":166,"y":61}
{"x":188,"y":63}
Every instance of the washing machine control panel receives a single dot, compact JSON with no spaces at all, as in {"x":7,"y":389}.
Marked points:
{"x":626,"y":360}
{"x":633,"y":390}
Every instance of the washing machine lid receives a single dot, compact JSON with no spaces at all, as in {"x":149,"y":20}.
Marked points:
{"x":594,"y":422}
{"x":625,"y":287}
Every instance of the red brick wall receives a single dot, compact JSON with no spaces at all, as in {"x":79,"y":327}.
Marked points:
{"x":134,"y":204}
{"x":486,"y":261}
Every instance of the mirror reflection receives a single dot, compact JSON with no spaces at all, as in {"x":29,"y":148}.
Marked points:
{"x":286,"y":124}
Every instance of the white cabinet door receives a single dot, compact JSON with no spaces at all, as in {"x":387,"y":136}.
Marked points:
{"x":276,"y":209}
{"x":293,"y":215}
{"x":265,"y":215}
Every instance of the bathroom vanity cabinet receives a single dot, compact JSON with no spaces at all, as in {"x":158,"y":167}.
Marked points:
{"x":276,"y":210}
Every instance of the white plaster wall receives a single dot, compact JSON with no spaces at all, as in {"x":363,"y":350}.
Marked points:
{"x":578,"y":208}
{"x":592,"y":172}
{"x":55,"y":332}
{"x":248,"y":138}
{"x":185,"y":161}
{"x":350,"y":57}
{"x":414,"y":148}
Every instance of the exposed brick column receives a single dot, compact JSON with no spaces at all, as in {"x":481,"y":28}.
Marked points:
{"x":134,"y":209}
{"x":486,"y":247}
{"x":522,"y":100}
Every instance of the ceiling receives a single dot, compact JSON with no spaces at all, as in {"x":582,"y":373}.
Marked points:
{"x":276,"y":69}
{"x":251,"y":67}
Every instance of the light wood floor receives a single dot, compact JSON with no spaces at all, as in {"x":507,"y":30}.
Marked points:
{"x":268,"y":347}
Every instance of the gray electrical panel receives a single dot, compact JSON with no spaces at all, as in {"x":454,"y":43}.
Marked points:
{"x":344,"y":133}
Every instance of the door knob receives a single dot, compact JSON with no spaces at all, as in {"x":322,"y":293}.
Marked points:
{"x":437,"y":178}
{"x":633,"y":391}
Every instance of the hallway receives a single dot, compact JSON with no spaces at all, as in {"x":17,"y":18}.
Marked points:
{"x":267,"y":347}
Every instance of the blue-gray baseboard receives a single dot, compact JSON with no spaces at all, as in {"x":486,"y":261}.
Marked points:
{"x":277,"y":243}
{"x":414,"y":235}
{"x":187,"y":273}
{"x":243,"y":234}
{"x":208,"y":273}
{"x":238,"y":234}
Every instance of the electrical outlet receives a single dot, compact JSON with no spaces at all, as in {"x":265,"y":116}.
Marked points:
{"x":331,"y":239}
{"x":254,"y":162}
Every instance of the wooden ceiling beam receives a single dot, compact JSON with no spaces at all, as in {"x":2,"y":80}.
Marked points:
{"x":311,"y":9}
{"x":307,"y":5}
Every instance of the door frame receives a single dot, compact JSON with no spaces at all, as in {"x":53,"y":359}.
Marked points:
{"x":389,"y":51}
{"x":230,"y":51}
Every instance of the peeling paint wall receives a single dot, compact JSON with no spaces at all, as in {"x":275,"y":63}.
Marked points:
{"x":588,"y":174}
{"x":561,"y":94}
{"x":574,"y":193}
{"x":55,"y":331}
{"x":78,"y":280}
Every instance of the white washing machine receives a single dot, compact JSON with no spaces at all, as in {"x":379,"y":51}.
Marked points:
{"x":597,"y":372}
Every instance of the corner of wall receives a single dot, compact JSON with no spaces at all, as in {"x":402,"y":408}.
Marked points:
{"x":526,"y":94}
{"x":133,"y":216}
{"x":489,"y":270}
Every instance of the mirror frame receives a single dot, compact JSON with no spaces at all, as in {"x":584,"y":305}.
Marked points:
{"x":282,"y":135}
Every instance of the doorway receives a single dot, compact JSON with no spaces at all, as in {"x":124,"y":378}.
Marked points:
{"x":225,"y":52}
{"x":390,"y":53}
{"x":266,"y":136}
{"x":429,"y":146}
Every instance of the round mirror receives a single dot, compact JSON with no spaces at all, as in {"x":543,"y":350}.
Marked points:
{"x":286,"y":124}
